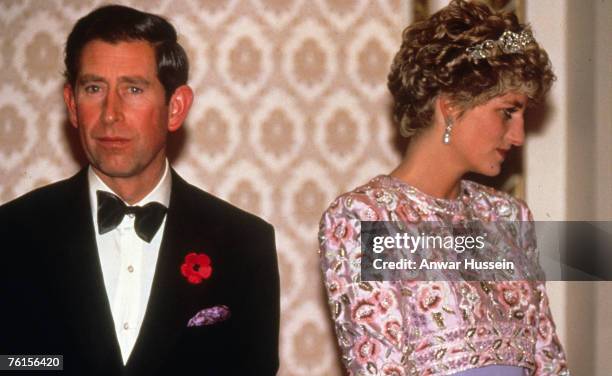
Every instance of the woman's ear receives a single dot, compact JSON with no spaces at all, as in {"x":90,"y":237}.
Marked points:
{"x":447,"y":108}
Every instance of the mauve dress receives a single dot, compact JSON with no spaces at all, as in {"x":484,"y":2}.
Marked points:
{"x":429,"y":328}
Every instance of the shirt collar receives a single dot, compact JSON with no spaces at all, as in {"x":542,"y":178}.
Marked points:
{"x":161,"y":192}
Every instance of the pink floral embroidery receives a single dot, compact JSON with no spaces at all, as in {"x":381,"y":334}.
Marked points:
{"x":545,"y":330}
{"x":364,"y":311}
{"x":407,"y":214}
{"x":393,"y":369}
{"x":393,"y":331}
{"x":336,"y":286}
{"x":367,"y":349}
{"x":531,"y":316}
{"x":341,"y":231}
{"x":513,"y":293}
{"x":385,"y":300}
{"x":429,"y":297}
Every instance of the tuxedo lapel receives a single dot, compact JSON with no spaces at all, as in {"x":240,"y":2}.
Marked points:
{"x":173,"y":300}
{"x":81,"y":285}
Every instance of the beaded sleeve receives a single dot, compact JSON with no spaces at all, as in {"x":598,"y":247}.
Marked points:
{"x":367,"y":315}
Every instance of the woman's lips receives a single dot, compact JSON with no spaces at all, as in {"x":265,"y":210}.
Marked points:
{"x":503,"y":153}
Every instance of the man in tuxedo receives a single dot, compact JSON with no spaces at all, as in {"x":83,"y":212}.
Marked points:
{"x":124,"y":268}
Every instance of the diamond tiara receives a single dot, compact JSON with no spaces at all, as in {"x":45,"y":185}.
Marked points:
{"x":509,"y":43}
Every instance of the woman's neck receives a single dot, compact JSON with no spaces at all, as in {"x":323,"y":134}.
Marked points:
{"x":429,"y":166}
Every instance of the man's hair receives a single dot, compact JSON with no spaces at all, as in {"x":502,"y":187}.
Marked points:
{"x":116,"y":23}
{"x":433,"y":59}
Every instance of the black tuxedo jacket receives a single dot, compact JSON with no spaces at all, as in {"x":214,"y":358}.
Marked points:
{"x":54,"y":300}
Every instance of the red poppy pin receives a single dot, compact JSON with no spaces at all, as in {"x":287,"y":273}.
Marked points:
{"x":196,"y":267}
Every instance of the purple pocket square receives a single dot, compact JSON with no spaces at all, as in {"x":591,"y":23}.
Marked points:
{"x":209,"y":316}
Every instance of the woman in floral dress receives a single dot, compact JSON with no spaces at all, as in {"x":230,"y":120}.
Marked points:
{"x":461,"y":82}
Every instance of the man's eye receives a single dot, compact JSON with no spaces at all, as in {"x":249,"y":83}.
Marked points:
{"x":92,"y":89}
{"x":134,"y":90}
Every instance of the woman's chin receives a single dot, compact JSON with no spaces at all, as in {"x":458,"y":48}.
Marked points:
{"x":490,"y":170}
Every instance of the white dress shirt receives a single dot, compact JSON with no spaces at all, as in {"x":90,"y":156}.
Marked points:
{"x":128,"y":262}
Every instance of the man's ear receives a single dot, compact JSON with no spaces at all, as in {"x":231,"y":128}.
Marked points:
{"x":69,"y":99}
{"x":179,"y":106}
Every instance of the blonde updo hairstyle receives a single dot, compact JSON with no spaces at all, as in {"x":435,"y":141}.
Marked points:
{"x":432,"y":60}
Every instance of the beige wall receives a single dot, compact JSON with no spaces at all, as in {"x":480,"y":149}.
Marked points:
{"x":568,"y":162}
{"x":603,"y":206}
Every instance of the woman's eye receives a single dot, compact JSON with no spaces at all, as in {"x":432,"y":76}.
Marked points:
{"x":508,"y":112}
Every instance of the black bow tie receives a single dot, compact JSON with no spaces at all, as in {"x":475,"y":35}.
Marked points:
{"x":111,"y":210}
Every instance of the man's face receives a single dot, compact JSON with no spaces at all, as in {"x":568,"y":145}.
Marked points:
{"x":118,"y":104}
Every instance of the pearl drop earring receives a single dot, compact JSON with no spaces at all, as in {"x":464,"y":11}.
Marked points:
{"x":447,"y":131}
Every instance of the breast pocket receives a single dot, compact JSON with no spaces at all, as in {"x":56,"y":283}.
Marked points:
{"x":214,"y":345}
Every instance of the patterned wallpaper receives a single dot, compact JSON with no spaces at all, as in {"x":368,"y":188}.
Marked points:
{"x":291,"y":110}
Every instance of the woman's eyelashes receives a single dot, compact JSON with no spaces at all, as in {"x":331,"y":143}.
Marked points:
{"x":508,"y":112}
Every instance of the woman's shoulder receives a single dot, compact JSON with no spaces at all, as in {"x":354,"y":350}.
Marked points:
{"x":385,"y":198}
{"x":500,"y":204}
{"x":368,"y":202}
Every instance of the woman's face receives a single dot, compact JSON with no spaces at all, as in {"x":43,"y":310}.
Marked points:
{"x":484,"y":134}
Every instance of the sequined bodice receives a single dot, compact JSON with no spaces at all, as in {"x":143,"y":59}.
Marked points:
{"x":431,"y":328}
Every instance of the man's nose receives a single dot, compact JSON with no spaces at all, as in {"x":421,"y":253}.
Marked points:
{"x":112,"y":110}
